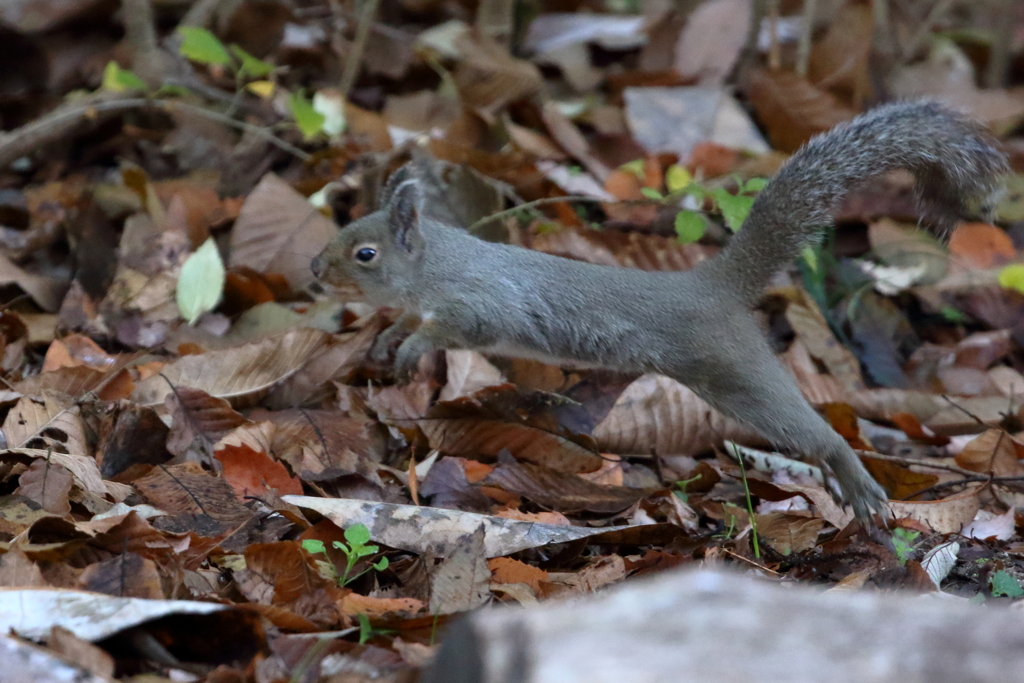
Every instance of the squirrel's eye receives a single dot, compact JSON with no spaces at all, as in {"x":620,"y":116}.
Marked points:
{"x":366,"y":254}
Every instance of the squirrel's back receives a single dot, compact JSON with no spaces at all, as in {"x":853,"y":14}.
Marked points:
{"x":951,"y":157}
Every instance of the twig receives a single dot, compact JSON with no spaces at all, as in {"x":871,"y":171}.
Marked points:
{"x":774,"y":53}
{"x":201,"y":13}
{"x":913,"y":461}
{"x":999,"y":55}
{"x":67,"y":119}
{"x":355,"y":53}
{"x":531,"y":205}
{"x":803,"y":53}
{"x":149,"y":61}
{"x":240,"y":125}
{"x":939,"y":9}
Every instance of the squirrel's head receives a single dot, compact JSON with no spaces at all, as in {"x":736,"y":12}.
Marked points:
{"x":379,"y":254}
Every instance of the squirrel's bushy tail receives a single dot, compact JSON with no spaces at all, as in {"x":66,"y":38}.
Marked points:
{"x":951,"y":157}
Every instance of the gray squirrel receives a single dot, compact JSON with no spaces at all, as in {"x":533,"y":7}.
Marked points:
{"x":459,"y":292}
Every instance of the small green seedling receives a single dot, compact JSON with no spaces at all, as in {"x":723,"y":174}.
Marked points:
{"x":356,"y":549}
{"x":367,"y":631}
{"x":681,"y":494}
{"x":903,"y":543}
{"x":690,"y":225}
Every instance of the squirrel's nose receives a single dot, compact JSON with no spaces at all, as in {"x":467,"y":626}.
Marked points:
{"x":317,"y":266}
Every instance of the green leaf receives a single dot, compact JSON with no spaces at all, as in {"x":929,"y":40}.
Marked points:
{"x":308,"y":119}
{"x":651,"y":193}
{"x":1012,"y":277}
{"x":252,"y":67}
{"x":1004,"y":583}
{"x":953,"y":315}
{"x":365,"y":630}
{"x":677,"y":178}
{"x":690,"y":226}
{"x":201,"y":282}
{"x":201,"y":46}
{"x":313,"y":546}
{"x":636,"y":167}
{"x":357,"y":534}
{"x":903,"y":543}
{"x":754,"y":185}
{"x":117,"y":79}
{"x":810,"y":257}
{"x":734,"y":207}
{"x":381,"y":564}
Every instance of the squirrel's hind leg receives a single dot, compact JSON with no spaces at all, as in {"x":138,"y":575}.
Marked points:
{"x":763,"y":395}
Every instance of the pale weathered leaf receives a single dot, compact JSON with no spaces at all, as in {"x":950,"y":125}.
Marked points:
{"x":45,"y":424}
{"x":201,"y":282}
{"x":32,"y":613}
{"x":235,"y":372}
{"x":461,"y":582}
{"x":436,"y":531}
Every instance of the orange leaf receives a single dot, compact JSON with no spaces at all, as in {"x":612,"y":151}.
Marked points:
{"x":507,"y":570}
{"x":253,"y":473}
{"x":981,"y":245}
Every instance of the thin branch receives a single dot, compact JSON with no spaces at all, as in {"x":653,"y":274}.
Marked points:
{"x":915,"y":461}
{"x":803,"y":53}
{"x":240,"y":125}
{"x":69,"y":118}
{"x":531,"y":205}
{"x":201,"y":13}
{"x":939,"y":10}
{"x":354,"y":60}
{"x":774,"y":52}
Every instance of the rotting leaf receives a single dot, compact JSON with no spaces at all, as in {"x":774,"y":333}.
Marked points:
{"x":561,"y":491}
{"x":503,"y":417}
{"x":461,"y":582}
{"x":431,"y":530}
{"x":234,"y":372}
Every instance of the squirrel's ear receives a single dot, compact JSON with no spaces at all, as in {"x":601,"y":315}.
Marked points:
{"x":404,"y":217}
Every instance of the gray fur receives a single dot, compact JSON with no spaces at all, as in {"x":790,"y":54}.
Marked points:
{"x":460,"y":292}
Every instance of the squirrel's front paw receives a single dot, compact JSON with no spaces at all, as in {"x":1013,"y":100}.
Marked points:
{"x":380,"y":351}
{"x":407,"y":361}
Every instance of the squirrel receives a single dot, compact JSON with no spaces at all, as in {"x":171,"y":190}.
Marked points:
{"x":697,"y":326}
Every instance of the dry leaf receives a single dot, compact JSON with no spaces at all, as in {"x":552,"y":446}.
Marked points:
{"x":503,"y":418}
{"x":712,"y":40}
{"x":462,"y":581}
{"x":235,"y":372}
{"x":278,"y":231}
{"x":792,"y":109}
{"x":656,"y":414}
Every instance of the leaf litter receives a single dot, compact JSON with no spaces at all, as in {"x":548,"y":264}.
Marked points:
{"x":184,"y":410}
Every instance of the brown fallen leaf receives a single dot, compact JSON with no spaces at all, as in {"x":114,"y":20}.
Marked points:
{"x":125,"y":575}
{"x":656,"y":414}
{"x":48,"y":484}
{"x":502,"y":417}
{"x":792,"y":109}
{"x":253,"y":472}
{"x":237,"y":372}
{"x":992,"y":451}
{"x":506,"y":570}
{"x":197,"y":415}
{"x":561,"y":491}
{"x":279,"y":231}
{"x":945,"y":516}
